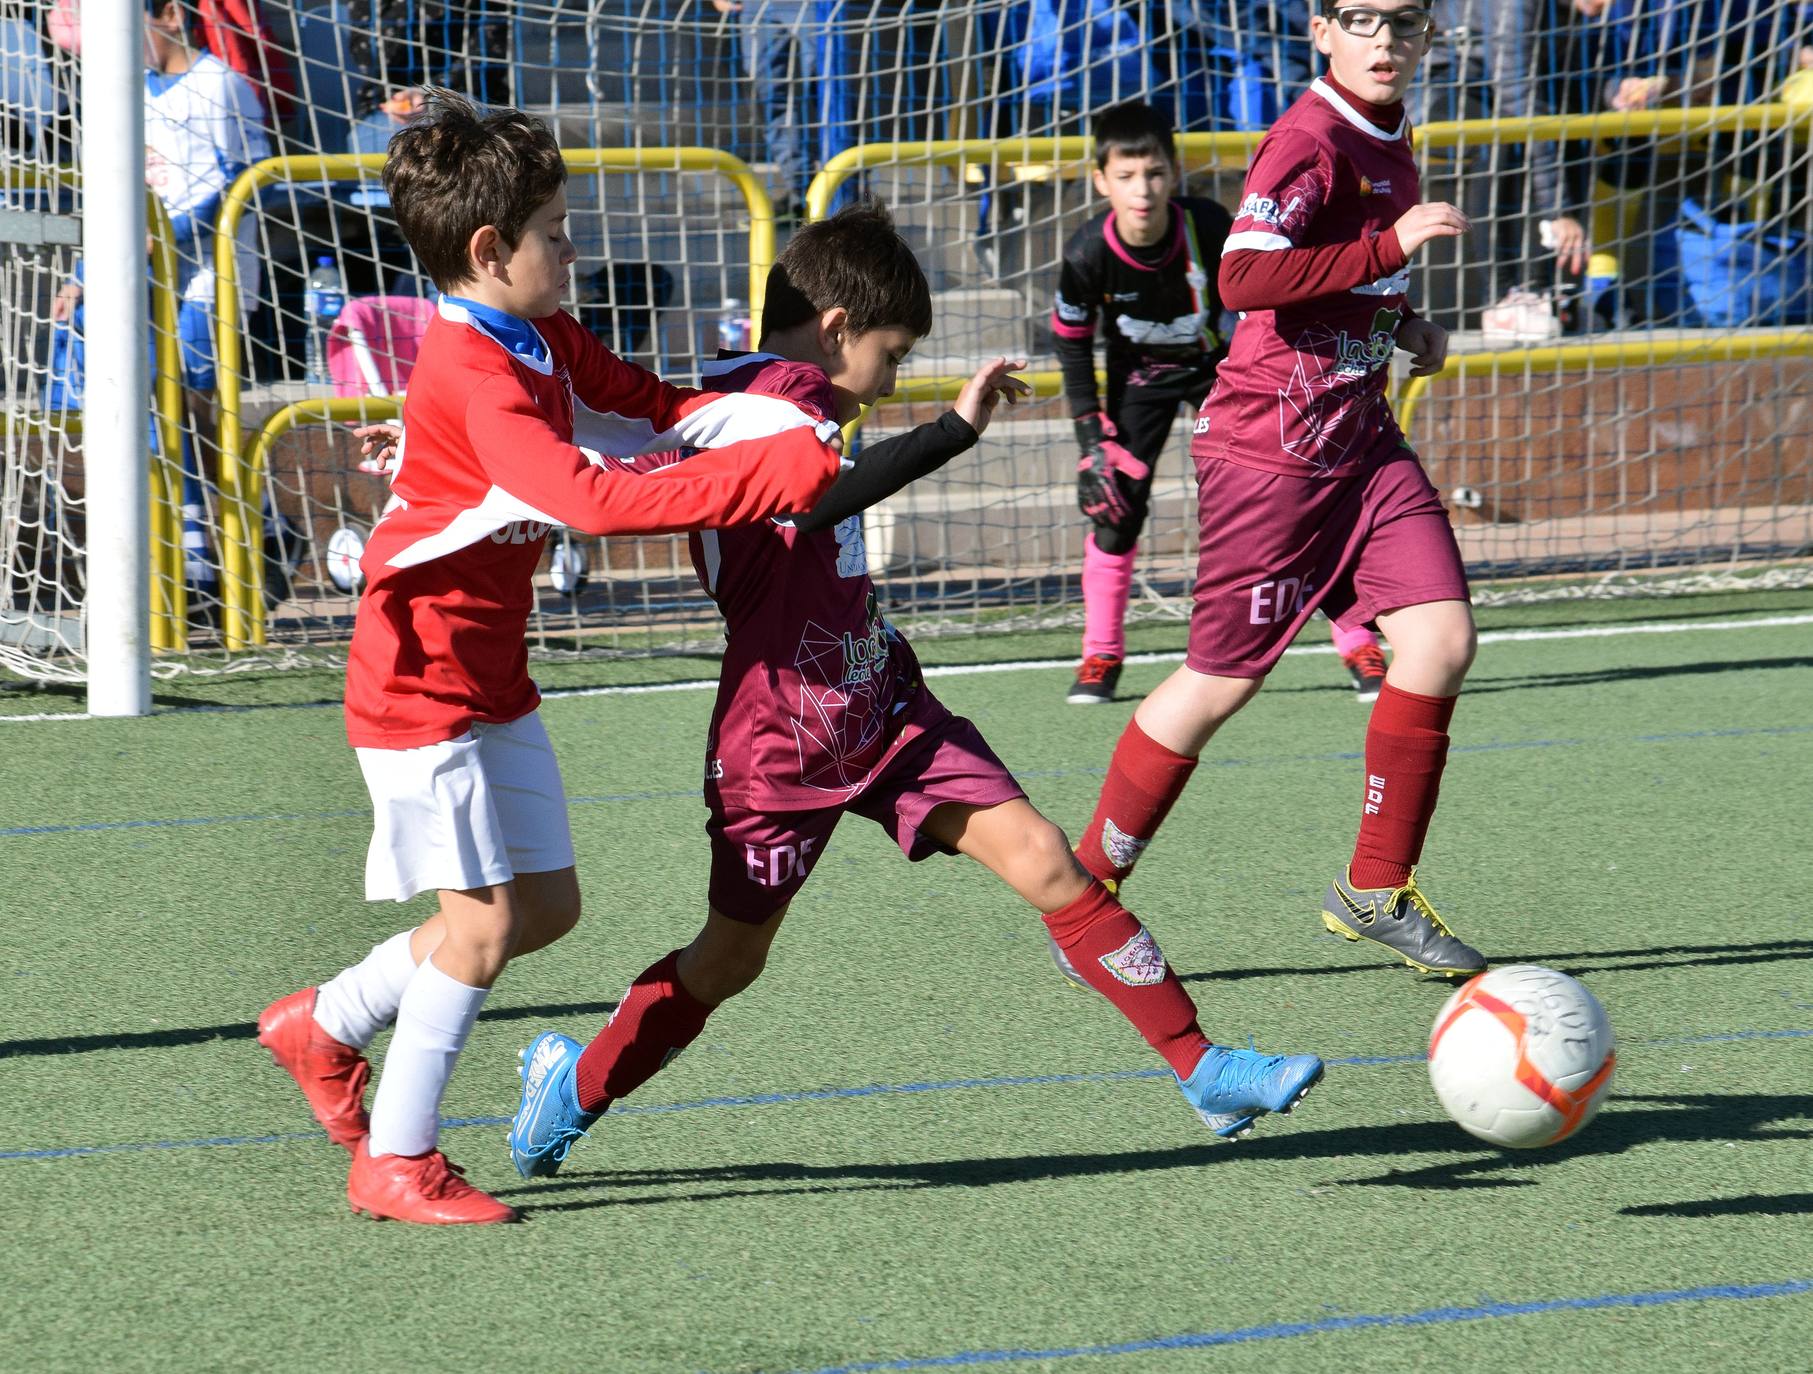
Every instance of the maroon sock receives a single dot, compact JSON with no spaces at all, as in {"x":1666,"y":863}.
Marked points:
{"x":1111,"y":951}
{"x":1406,"y":746}
{"x":656,"y":1019}
{"x":1144,"y":781}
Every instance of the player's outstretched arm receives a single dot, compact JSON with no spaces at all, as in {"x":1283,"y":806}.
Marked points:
{"x":544,"y":478}
{"x":886,"y":467}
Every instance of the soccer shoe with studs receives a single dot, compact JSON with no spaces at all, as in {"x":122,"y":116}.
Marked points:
{"x":332,"y":1076}
{"x":548,"y":1121}
{"x":1401,"y":919}
{"x":426,"y":1189}
{"x":1096,"y":680}
{"x":1366,"y":665}
{"x":1230,"y":1088}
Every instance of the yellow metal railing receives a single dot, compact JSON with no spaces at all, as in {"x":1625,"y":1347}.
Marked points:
{"x":242,"y":471}
{"x":169,"y":596}
{"x":1019,"y":155}
{"x":1744,"y":346}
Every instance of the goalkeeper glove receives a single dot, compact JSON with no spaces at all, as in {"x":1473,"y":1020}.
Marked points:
{"x":1099,"y":470}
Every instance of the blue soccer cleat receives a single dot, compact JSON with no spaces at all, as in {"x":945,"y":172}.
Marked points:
{"x":1231,"y":1088}
{"x":549,"y":1122}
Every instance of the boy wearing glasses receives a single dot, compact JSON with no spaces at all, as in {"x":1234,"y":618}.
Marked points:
{"x":1309,"y":495}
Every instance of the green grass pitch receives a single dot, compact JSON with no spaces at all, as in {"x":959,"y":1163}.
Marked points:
{"x":911,"y":1145}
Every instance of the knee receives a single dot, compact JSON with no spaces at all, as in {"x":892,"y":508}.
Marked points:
{"x":715,"y":972}
{"x":1047,"y":864}
{"x":1121,"y":537}
{"x":479,"y":954}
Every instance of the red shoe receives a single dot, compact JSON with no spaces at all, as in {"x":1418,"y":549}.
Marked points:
{"x":422,"y":1188}
{"x":1095,"y":680}
{"x":1367,"y":666}
{"x":332,"y":1076}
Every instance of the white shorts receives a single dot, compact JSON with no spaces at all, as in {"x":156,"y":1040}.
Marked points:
{"x":465,"y":813}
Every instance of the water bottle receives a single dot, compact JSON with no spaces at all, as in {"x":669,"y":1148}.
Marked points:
{"x":321,"y":304}
{"x":1601,"y":295}
{"x":734,"y":327}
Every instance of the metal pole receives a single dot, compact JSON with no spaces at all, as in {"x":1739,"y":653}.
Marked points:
{"x":116,"y":428}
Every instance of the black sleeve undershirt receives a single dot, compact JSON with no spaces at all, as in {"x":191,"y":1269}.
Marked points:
{"x":884,"y":468}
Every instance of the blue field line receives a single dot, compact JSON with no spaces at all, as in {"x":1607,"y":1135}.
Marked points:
{"x":682,"y":794}
{"x":780,"y":1099}
{"x":1371,"y":1321}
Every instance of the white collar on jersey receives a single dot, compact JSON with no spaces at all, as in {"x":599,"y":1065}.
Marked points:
{"x":1354,"y":117}
{"x":718,"y":367}
{"x":517,"y":337}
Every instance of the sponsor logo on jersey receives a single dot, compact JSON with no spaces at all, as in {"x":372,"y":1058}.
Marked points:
{"x":1122,"y":297}
{"x":1202,"y":425}
{"x":1185,"y":329}
{"x":520,"y":532}
{"x":1363,"y":356}
{"x":1138,"y":963}
{"x":1369,"y":187}
{"x":1397,"y":284}
{"x":1071,"y":314}
{"x":714,"y":770}
{"x":1264,"y":210}
{"x":852,"y":553}
{"x":1121,"y":848}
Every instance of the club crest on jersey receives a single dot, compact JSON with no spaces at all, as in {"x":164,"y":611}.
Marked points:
{"x":1138,"y":963}
{"x":1121,"y":848}
{"x":1359,"y":357}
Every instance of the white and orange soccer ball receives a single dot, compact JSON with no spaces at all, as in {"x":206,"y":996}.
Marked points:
{"x":1521,"y":1056}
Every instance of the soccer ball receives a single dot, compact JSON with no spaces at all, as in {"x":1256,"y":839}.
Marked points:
{"x":345,"y":547}
{"x":1521,"y":1056}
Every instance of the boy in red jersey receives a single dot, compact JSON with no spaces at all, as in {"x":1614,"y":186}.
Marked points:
{"x":1309,"y":495}
{"x":439,"y":704}
{"x":821,"y":710}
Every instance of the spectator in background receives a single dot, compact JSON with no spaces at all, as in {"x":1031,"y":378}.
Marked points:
{"x":1261,"y":50}
{"x":1654,"y":54}
{"x":781,"y":52}
{"x":396,"y":47}
{"x":1484,"y":64}
{"x":30,"y":102}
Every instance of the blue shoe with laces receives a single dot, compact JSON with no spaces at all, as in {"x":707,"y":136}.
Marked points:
{"x":1231,"y":1088}
{"x":549,"y":1122}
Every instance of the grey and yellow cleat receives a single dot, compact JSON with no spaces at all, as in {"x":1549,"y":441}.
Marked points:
{"x":1401,"y":919}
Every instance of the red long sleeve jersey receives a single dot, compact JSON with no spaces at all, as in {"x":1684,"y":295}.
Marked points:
{"x":487,"y":468}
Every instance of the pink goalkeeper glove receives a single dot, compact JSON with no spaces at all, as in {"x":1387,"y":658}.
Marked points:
{"x":1100,"y":470}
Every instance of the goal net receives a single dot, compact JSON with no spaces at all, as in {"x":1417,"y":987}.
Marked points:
{"x":1629,"y":406}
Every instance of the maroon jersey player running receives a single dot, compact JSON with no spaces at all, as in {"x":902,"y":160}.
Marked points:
{"x":822,"y":711}
{"x":1310,"y":496}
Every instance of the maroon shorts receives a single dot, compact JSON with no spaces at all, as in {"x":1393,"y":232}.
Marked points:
{"x":1276,"y":548}
{"x":759,"y":859}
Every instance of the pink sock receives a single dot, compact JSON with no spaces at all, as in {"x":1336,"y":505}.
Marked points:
{"x":1347,"y":641}
{"x":1107,"y":584}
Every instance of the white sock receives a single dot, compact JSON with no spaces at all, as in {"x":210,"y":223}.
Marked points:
{"x":358,"y":1002}
{"x":433,"y":1021}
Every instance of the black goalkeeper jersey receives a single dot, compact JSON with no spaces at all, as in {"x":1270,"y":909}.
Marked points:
{"x":1159,"y":308}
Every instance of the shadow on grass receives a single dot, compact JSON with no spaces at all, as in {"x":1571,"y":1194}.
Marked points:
{"x":1595,"y":677}
{"x":1574,"y":963}
{"x":1628,"y":1123}
{"x":248,"y":1030}
{"x":1754,"y":1205}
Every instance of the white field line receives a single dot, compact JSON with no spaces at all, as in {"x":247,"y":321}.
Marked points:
{"x":1674,"y":627}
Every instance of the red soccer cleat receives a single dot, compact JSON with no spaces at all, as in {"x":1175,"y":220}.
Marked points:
{"x":332,"y":1076}
{"x":421,"y":1188}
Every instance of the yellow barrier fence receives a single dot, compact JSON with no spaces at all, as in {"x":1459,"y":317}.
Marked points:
{"x":242,"y":471}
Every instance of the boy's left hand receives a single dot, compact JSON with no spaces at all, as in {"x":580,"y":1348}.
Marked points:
{"x":983,"y":392}
{"x":1427,"y":344}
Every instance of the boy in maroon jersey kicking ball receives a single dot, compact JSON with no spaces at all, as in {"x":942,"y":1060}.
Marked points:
{"x":439,"y":705}
{"x":1310,"y":496}
{"x":822,"y":711}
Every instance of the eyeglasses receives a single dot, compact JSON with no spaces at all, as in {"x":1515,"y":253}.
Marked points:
{"x":1363,"y":22}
